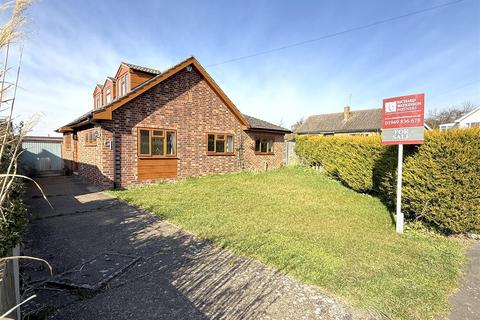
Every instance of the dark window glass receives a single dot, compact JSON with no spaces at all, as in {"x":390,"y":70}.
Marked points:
{"x":158,"y":133}
{"x":157,"y":146}
{"x":257,"y":145}
{"x":220,"y":146}
{"x":263,"y":146}
{"x":144,"y":142}
{"x":211,"y":143}
{"x":170,"y":142}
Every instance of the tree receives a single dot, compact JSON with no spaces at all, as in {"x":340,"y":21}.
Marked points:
{"x":297,"y":124}
{"x":437,"y":117}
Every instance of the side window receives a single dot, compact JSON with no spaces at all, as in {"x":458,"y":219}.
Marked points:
{"x":263,"y":146}
{"x":219,"y":144}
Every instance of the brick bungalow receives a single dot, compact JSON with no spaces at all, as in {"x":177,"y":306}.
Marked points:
{"x":149,"y":126}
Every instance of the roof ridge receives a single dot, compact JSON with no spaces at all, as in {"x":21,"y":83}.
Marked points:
{"x":141,"y":68}
{"x":341,"y":112}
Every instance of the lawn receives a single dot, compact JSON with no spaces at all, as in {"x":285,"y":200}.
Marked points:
{"x":311,"y":227}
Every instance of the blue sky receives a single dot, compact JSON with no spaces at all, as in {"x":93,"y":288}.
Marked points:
{"x":72,"y":45}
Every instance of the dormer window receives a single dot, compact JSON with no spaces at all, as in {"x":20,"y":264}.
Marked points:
{"x":122,"y":87}
{"x":108,"y":96}
{"x":98,"y":101}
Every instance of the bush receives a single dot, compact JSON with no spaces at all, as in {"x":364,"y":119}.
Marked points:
{"x":13,"y":218}
{"x":442,"y":181}
{"x":441,"y":178}
{"x":348,"y":159}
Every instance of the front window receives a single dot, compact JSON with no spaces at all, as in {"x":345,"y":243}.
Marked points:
{"x":264,"y":146}
{"x":156,"y":143}
{"x":220,"y":144}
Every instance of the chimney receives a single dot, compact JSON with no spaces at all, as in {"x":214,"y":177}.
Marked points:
{"x":346,"y":113}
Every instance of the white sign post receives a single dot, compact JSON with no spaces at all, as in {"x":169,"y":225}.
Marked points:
{"x":399,"y":220}
{"x":402,"y":123}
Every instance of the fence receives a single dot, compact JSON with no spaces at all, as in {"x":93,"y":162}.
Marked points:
{"x":291,"y":158}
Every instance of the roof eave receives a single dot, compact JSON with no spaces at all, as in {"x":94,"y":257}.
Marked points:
{"x":268,"y":130}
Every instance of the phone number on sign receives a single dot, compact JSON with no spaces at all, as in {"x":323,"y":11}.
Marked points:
{"x":413,"y":121}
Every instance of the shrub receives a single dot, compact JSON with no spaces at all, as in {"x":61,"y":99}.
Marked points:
{"x":348,"y":159}
{"x":441,"y":182}
{"x":441,"y":178}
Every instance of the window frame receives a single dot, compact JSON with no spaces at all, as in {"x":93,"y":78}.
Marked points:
{"x":267,"y":139}
{"x":225,"y":152}
{"x":108,"y":94}
{"x":90,"y":138}
{"x":151,"y":135}
{"x":98,"y":100}
{"x":122,"y":85}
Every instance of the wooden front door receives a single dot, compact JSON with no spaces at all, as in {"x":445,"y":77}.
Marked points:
{"x":75,"y":155}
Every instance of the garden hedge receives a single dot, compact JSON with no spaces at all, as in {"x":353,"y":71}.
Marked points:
{"x":441,"y":178}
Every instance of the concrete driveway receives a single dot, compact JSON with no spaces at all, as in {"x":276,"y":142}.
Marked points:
{"x":146,"y":267}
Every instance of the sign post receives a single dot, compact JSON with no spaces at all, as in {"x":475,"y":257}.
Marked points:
{"x":399,"y":215}
{"x":402,"y":123}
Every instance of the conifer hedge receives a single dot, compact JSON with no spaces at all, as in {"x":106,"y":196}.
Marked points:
{"x":441,"y":178}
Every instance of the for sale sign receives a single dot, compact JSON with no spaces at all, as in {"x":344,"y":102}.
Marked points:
{"x":403,"y":119}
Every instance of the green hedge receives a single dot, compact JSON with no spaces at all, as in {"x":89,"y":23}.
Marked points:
{"x":441,"y":179}
{"x":348,"y":159}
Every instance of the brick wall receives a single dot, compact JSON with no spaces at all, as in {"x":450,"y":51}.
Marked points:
{"x":94,"y":162}
{"x":185,"y":102}
{"x":267,"y":161}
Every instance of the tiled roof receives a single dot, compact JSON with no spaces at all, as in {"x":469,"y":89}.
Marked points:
{"x":83,"y":117}
{"x":263,"y":125}
{"x":358,"y":121}
{"x":142,"y":69}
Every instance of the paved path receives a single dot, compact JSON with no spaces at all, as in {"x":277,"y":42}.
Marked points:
{"x":177,"y":275}
{"x":466,"y":301}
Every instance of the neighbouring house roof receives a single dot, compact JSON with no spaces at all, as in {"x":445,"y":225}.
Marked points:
{"x":142,"y":69}
{"x":263,"y":125}
{"x":468,"y":115}
{"x":358,"y":121}
{"x":105,"y":112}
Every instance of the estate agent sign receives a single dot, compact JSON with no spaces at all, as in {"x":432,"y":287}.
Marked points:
{"x":402,"y":119}
{"x":402,"y":123}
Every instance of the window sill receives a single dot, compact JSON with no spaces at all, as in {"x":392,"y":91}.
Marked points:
{"x":220,"y":154}
{"x":264,"y":153}
{"x":157,"y":157}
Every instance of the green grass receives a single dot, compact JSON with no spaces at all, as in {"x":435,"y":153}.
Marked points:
{"x":300,"y":221}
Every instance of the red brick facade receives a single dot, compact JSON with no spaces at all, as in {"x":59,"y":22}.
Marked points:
{"x":186,"y":103}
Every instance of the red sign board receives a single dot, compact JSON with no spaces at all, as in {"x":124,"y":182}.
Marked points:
{"x":403,"y":119}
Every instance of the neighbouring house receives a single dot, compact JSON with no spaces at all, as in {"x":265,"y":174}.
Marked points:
{"x":470,"y":120}
{"x":359,"y":122}
{"x":149,"y":126}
